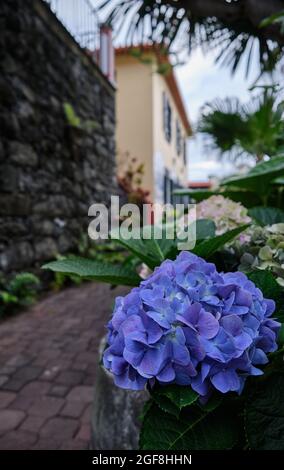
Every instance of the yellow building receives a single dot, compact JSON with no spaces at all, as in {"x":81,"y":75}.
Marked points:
{"x":152,"y":124}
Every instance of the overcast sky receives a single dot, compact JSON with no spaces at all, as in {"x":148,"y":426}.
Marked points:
{"x":202,"y":81}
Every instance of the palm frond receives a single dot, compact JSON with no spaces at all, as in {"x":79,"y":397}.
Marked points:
{"x":158,"y":21}
{"x":255,"y":128}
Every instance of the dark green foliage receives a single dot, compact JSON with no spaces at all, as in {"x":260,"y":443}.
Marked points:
{"x":96,"y":271}
{"x":194,"y":429}
{"x":256,"y":128}
{"x":20,"y":291}
{"x":264,"y":414}
{"x":180,"y":397}
{"x":245,"y":197}
{"x":266,"y":282}
{"x":256,"y":188}
{"x":259,"y":177}
{"x":266,"y":215}
{"x":207,"y":248}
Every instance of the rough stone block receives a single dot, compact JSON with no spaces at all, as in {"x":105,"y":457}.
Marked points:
{"x":15,"y":205}
{"x":45,"y":249}
{"x":22,"y":154}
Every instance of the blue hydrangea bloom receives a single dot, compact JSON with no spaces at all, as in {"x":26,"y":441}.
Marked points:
{"x":190,"y":325}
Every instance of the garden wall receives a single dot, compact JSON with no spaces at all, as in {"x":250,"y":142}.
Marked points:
{"x":50,"y":171}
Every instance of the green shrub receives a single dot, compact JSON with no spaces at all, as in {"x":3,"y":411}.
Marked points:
{"x":20,"y":291}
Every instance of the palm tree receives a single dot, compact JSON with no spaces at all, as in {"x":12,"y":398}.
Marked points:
{"x":231,"y":26}
{"x":256,"y":128}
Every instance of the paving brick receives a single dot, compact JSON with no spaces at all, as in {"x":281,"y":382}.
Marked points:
{"x":50,"y":373}
{"x":53,"y":342}
{"x":47,"y":444}
{"x":73,"y":409}
{"x":3,"y":379}
{"x":89,"y":380}
{"x":59,"y":391}
{"x":60,"y":428}
{"x":7,"y":370}
{"x":10,"y":419}
{"x":36,"y":388}
{"x":13,"y":385}
{"x":33,"y":423}
{"x":40,"y":361}
{"x":19,"y":360}
{"x":87,"y":357}
{"x":60,"y":364}
{"x":75,"y":444}
{"x":18,"y":440}
{"x":86,"y":417}
{"x":23,"y":402}
{"x":50,"y":354}
{"x":82,"y":393}
{"x":81,"y":366}
{"x":6,"y":398}
{"x":84,"y":433}
{"x":46,"y":406}
{"x":28,"y":373}
{"x":70,"y":377}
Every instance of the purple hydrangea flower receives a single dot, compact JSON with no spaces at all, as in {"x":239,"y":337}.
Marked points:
{"x":190,"y":325}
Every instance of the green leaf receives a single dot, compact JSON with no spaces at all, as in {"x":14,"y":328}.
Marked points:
{"x":245,"y":197}
{"x":205,"y":229}
{"x":95,"y":270}
{"x":72,"y":118}
{"x":266,"y":282}
{"x":264,"y":414}
{"x":194,"y":429}
{"x":213,"y":403}
{"x":166,"y":405}
{"x":158,"y":246}
{"x":275,"y":18}
{"x":259,"y":177}
{"x":178,"y":395}
{"x":8,"y":298}
{"x":147,"y":250}
{"x":280,"y":339}
{"x":208,"y":247}
{"x":266,"y":215}
{"x":279,"y":181}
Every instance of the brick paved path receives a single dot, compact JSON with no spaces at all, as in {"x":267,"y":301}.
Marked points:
{"x":48,"y":358}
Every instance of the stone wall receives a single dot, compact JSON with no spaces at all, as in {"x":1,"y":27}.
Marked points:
{"x":50,"y":171}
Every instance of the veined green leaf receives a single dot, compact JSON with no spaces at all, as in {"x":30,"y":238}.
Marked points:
{"x":266,"y":215}
{"x":207,"y":248}
{"x":264,"y":414}
{"x":179,"y":396}
{"x":147,"y":250}
{"x":194,"y":429}
{"x":266,"y":282}
{"x":95,"y":270}
{"x":259,"y":177}
{"x":245,"y":197}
